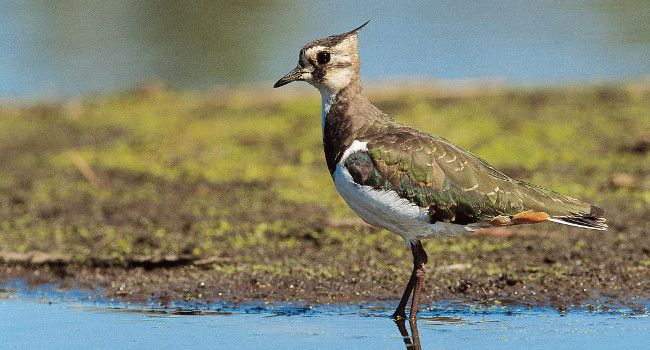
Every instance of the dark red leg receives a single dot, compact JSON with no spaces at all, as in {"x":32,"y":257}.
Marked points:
{"x":400,"y":313}
{"x":415,"y":283}
{"x":419,"y":262}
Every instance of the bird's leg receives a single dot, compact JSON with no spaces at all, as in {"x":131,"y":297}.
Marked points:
{"x":412,"y":341}
{"x":417,"y":277}
{"x":419,"y":261}
{"x":400,"y":313}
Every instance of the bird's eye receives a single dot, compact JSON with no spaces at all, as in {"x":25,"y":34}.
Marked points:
{"x":323,"y":57}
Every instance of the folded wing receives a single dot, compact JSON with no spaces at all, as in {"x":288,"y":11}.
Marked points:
{"x":456,"y":186}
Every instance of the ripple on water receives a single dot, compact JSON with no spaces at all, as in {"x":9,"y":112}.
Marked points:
{"x":46,"y":316}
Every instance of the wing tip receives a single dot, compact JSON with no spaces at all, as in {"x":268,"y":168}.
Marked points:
{"x":588,"y":222}
{"x":594,"y":220}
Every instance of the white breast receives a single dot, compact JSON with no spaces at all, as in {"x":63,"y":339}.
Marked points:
{"x":385,"y":209}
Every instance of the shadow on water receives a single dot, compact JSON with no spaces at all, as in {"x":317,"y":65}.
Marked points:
{"x":411,"y":341}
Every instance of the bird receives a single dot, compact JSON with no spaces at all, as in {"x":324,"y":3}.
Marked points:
{"x":411,"y":182}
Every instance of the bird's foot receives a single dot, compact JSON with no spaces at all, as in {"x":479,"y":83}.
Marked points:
{"x":399,"y":315}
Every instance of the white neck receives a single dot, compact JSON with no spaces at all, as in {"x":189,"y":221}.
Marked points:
{"x":328,"y":99}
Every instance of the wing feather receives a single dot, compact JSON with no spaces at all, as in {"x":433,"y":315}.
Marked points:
{"x":453,"y":184}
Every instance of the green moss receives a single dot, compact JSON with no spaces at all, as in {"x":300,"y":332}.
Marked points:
{"x":179,"y":173}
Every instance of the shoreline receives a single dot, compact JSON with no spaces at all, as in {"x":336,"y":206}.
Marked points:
{"x":165,"y":195}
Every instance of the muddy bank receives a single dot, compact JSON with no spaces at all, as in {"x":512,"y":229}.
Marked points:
{"x":165,"y":195}
{"x":557,"y":269}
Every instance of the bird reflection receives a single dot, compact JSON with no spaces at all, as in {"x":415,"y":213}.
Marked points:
{"x":412,"y":341}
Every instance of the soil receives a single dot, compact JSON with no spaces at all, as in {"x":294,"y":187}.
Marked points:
{"x":558,"y":269}
{"x":175,"y":196}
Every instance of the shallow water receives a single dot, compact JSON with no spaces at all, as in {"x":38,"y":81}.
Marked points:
{"x":51,"y":48}
{"x":49,"y":318}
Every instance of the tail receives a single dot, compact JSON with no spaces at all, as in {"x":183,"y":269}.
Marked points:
{"x":594,"y":220}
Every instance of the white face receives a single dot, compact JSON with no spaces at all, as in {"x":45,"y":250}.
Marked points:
{"x":330,"y":69}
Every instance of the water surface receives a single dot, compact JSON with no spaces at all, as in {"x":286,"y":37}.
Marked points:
{"x":49,"y":318}
{"x":53,"y":48}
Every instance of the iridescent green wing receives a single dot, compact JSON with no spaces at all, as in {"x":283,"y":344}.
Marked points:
{"x":453,"y":184}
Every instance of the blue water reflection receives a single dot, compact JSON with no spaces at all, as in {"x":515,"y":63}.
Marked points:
{"x":34,"y":324}
{"x":48,"y":317}
{"x":78,"y":47}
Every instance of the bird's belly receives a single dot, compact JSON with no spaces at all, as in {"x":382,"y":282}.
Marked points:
{"x":385,"y":209}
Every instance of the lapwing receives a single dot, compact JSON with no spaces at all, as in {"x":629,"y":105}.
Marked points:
{"x":408,"y":181}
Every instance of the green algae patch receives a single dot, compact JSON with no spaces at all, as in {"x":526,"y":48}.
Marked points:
{"x":162,"y":191}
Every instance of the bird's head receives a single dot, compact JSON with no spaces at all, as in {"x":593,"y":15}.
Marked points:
{"x":329,"y":64}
